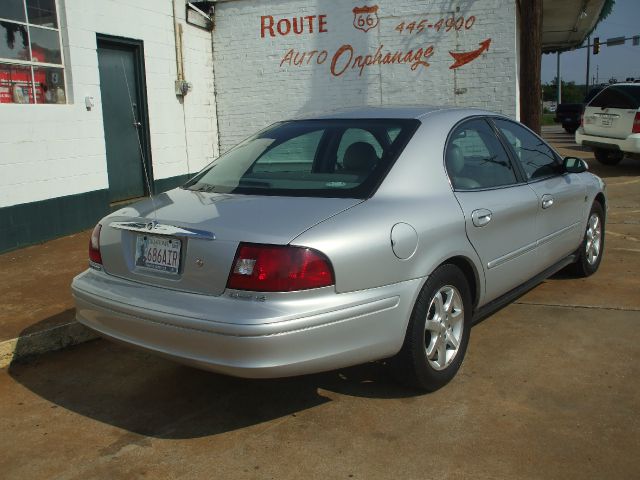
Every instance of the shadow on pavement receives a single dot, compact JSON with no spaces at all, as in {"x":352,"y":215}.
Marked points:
{"x":58,"y":331}
{"x":151,"y":396}
{"x":628,"y":167}
{"x":56,"y":320}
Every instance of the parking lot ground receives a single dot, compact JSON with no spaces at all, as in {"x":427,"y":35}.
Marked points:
{"x":35,"y":283}
{"x":549,"y":389}
{"x":37,"y":312}
{"x":545,"y":392}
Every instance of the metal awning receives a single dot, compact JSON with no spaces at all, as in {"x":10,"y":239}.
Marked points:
{"x":566,"y":23}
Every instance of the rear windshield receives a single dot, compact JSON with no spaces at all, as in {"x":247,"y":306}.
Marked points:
{"x":323,"y":158}
{"x":592,"y":93}
{"x":618,"y":96}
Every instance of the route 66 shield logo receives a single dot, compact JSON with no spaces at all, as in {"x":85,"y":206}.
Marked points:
{"x":365,"y":18}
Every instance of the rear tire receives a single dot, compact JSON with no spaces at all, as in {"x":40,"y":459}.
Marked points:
{"x":438,"y":331}
{"x":570,"y":130}
{"x":608,"y":157}
{"x":592,"y":246}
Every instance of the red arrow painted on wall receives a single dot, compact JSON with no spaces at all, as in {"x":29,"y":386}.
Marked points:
{"x":466,"y":57}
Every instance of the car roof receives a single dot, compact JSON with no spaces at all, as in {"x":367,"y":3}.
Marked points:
{"x":389,"y":111}
{"x":622,"y":84}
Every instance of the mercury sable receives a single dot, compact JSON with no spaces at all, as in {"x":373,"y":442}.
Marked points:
{"x":324,"y":242}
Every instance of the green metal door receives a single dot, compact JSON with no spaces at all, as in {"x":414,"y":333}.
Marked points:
{"x":122,"y":122}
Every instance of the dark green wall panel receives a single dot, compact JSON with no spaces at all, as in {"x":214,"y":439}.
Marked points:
{"x":30,"y":223}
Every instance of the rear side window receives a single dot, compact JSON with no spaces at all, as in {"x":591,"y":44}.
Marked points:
{"x":311,"y":158}
{"x":475,"y":158}
{"x":618,"y":96}
{"x":535,"y":156}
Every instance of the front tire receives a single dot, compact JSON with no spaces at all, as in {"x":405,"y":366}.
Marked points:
{"x":592,"y":247}
{"x":608,"y":157}
{"x":438,"y":331}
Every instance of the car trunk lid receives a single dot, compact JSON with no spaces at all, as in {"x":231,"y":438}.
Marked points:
{"x":187,"y":240}
{"x":609,"y":122}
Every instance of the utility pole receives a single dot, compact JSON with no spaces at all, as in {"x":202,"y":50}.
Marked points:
{"x":531,"y":63}
{"x":597,"y":74}
{"x":586,"y":86}
{"x":559,"y":82}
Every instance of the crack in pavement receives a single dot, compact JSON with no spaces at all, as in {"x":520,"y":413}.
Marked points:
{"x":589,"y":307}
{"x":627,"y":182}
{"x":625,"y":236}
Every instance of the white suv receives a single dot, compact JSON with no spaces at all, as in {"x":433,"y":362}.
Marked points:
{"x":611,"y":123}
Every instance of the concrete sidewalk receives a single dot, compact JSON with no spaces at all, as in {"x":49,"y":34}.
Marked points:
{"x":37,"y":314}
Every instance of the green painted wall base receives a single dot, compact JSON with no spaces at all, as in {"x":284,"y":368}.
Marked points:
{"x":31,"y":223}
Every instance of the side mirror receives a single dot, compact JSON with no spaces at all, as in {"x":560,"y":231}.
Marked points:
{"x":574,"y":165}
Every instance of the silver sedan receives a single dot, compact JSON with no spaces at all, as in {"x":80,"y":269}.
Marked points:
{"x":329,"y":241}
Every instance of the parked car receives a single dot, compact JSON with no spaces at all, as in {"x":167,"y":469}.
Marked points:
{"x":611,"y":123}
{"x":570,"y":114}
{"x":324,"y":242}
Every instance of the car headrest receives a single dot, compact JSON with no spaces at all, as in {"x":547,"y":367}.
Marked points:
{"x":454,"y":159}
{"x":360,"y":157}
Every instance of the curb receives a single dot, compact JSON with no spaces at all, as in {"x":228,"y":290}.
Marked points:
{"x":49,"y":340}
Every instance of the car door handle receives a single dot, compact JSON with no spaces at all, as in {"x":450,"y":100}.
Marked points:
{"x":547,"y":201}
{"x":481,"y":217}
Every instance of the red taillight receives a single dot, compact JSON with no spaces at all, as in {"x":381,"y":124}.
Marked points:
{"x":94,"y":246}
{"x":273,"y":268}
{"x":636,"y":124}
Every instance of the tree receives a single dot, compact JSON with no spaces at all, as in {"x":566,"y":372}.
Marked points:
{"x":571,"y":93}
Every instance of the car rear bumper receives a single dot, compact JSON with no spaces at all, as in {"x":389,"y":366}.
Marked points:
{"x":631,"y":144}
{"x":282,"y":335}
{"x":568,"y":121}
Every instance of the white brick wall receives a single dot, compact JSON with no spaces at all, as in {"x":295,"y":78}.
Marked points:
{"x":254,"y":90}
{"x":49,"y":151}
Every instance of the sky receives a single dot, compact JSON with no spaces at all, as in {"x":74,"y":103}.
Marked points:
{"x":619,"y":61}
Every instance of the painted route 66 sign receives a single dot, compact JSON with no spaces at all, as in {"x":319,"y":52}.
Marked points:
{"x":365,"y":18}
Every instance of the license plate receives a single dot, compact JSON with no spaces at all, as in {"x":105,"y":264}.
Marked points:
{"x":158,"y":253}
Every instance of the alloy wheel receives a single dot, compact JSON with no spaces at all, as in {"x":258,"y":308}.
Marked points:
{"x":444,"y":327}
{"x":594,"y":238}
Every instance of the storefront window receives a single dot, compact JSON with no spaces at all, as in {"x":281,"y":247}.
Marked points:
{"x":42,"y":12}
{"x":16,"y":84}
{"x":31,"y":63}
{"x":12,"y":10}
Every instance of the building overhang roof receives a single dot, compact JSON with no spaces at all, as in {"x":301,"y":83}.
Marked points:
{"x":566,"y":23}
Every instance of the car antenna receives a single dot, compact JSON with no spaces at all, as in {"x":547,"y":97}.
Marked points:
{"x":137,"y":126}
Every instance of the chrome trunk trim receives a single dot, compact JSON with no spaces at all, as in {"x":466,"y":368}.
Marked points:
{"x":156,"y":228}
